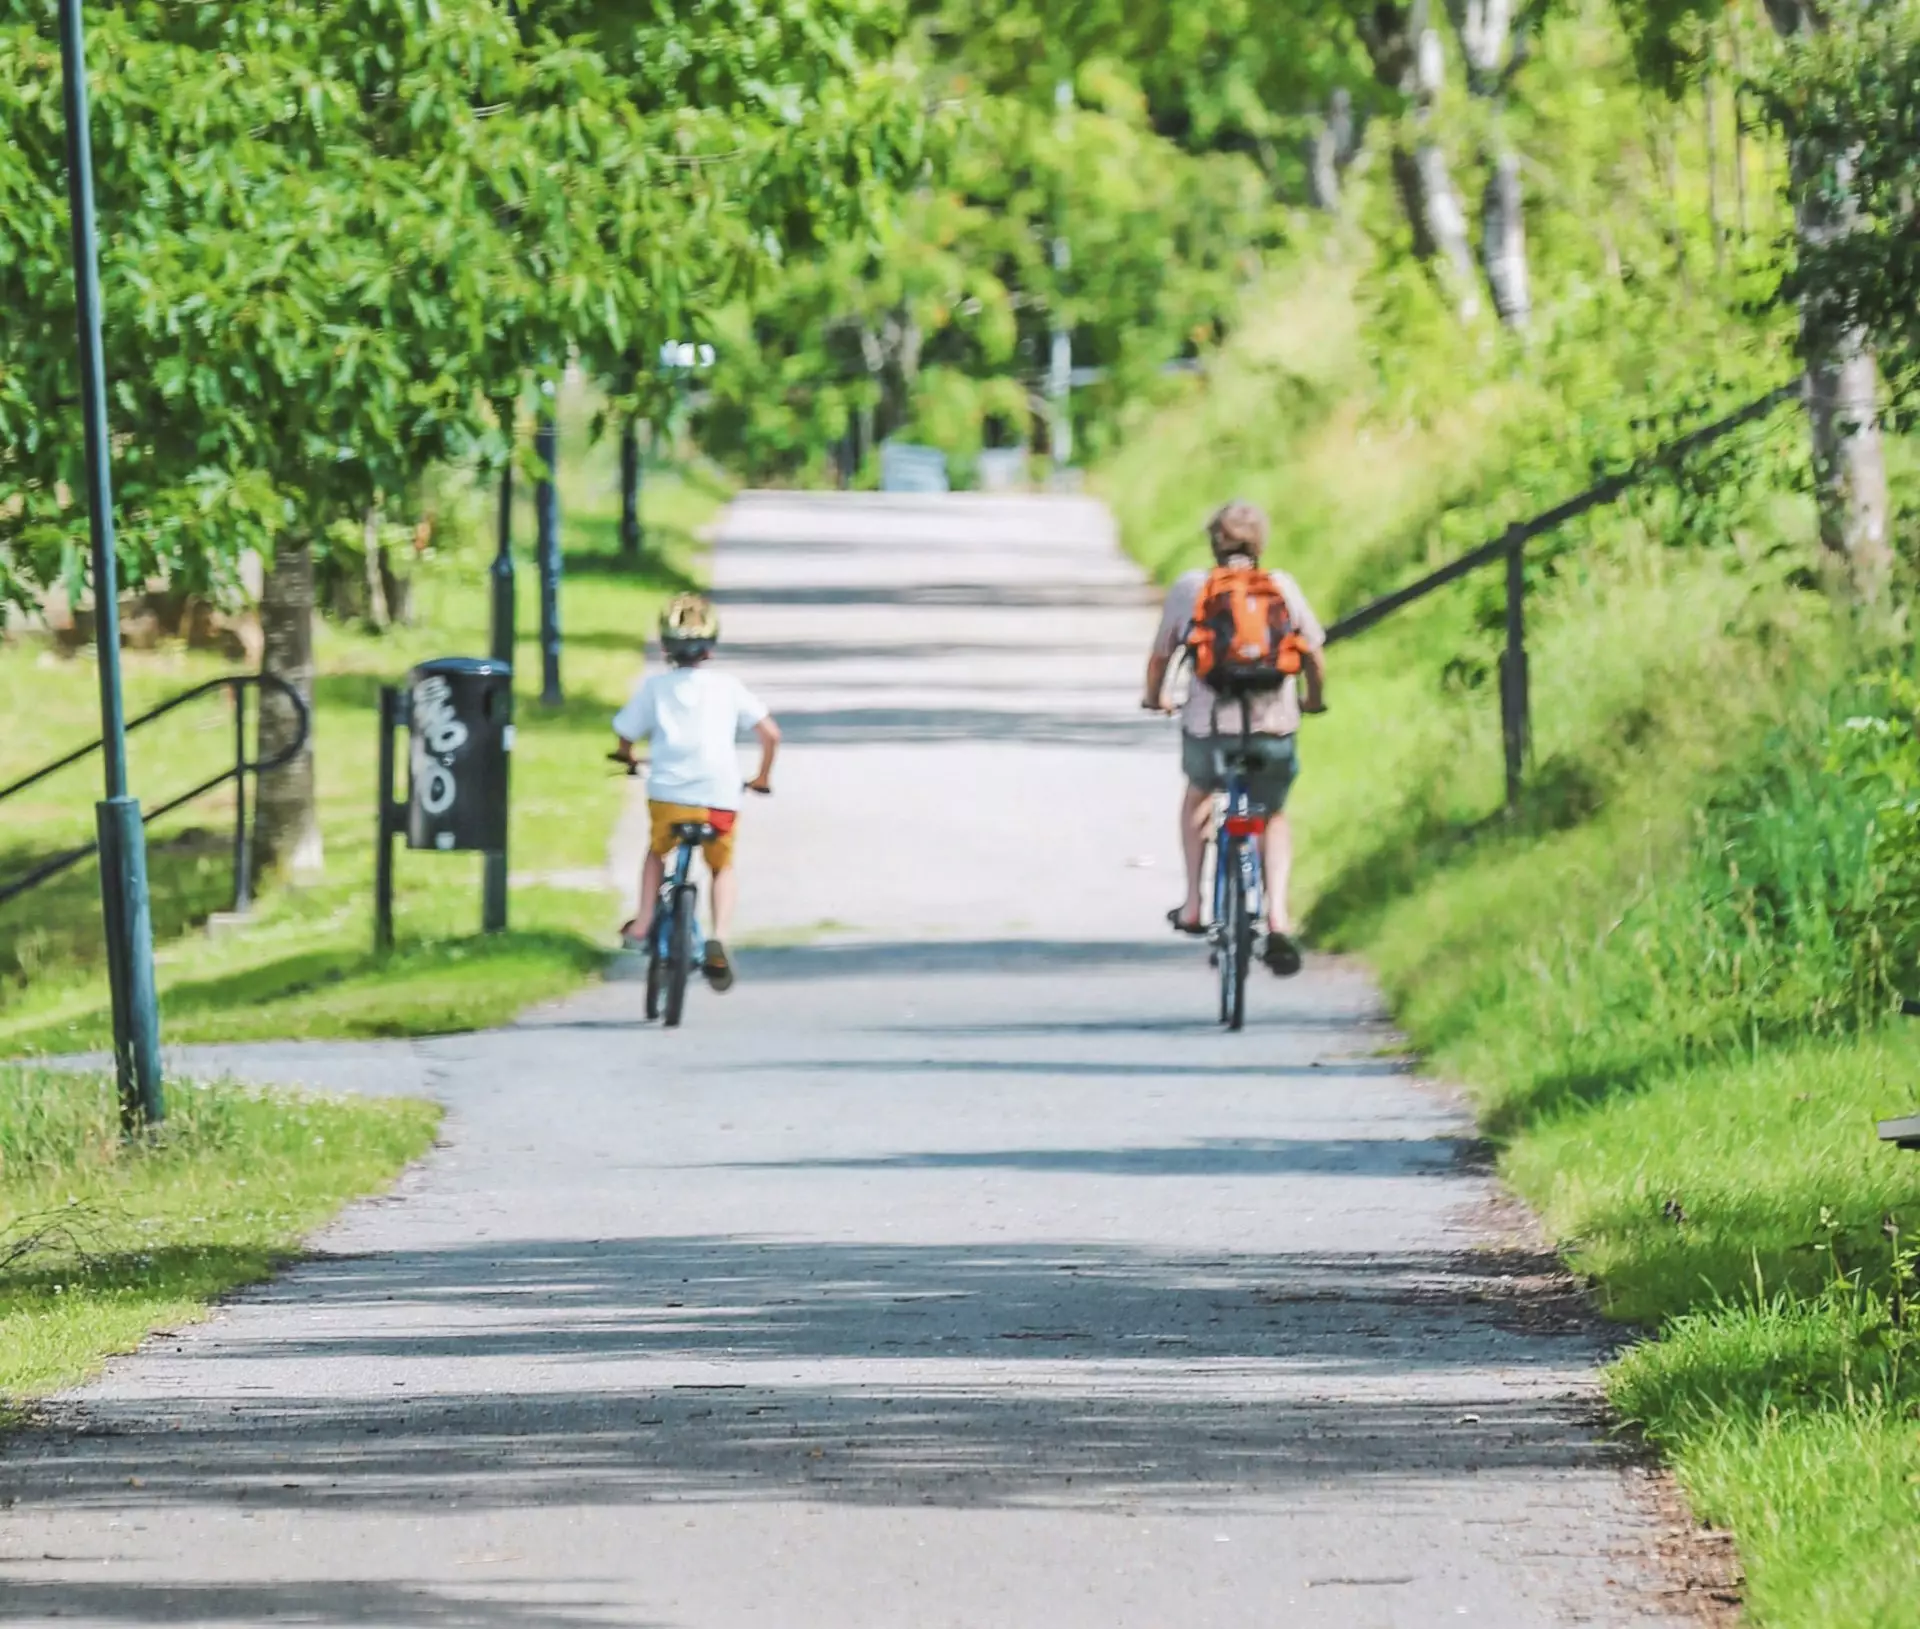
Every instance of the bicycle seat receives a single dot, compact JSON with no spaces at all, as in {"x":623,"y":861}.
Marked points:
{"x":694,"y":831}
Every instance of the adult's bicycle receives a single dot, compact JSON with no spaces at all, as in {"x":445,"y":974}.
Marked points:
{"x":1239,"y":878}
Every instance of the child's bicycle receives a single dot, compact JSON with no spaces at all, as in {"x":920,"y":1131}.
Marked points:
{"x":675,"y":944}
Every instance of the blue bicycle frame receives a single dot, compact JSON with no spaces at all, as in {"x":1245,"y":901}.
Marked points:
{"x":1239,"y":885}
{"x":1246,"y":870}
{"x":679,"y":869}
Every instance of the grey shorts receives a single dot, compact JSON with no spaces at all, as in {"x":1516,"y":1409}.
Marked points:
{"x":1272,"y":763}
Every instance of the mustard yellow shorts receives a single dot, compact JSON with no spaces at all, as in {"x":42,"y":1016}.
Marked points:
{"x":665,"y":816}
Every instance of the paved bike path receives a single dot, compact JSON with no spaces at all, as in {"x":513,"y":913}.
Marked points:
{"x":953,"y":1270}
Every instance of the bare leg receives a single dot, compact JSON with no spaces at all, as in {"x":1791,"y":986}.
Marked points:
{"x":1196,"y":806}
{"x":726,"y":889}
{"x":652,"y":874}
{"x":1278,"y":854}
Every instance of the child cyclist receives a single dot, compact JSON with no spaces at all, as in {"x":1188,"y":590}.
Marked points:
{"x":690,"y":716}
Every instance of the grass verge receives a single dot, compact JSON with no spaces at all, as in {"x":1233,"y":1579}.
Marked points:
{"x":304,"y":964}
{"x":104,"y":1241}
{"x":1665,"y":981}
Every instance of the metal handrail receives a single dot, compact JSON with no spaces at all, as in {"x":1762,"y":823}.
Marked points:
{"x":1523,"y":532}
{"x":1510,"y":545}
{"x":242,"y":766}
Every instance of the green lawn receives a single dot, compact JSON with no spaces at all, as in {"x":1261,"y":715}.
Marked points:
{"x":304,"y":965}
{"x":103,"y":1241}
{"x":1637,"y":977}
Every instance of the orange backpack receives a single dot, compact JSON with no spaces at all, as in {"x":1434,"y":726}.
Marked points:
{"x":1241,"y":637}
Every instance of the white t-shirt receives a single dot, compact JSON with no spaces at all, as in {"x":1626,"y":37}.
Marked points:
{"x":690,"y":718}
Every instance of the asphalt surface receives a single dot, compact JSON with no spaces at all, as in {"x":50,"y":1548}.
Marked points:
{"x":953,"y":1270}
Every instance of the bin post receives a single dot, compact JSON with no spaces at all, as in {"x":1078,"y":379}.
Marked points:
{"x":546,"y":504}
{"x":500,"y":575}
{"x":493,"y":887}
{"x":386,"y":826}
{"x":1515,"y":720}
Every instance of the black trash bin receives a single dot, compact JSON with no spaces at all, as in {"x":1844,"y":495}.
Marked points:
{"x":459,"y":731}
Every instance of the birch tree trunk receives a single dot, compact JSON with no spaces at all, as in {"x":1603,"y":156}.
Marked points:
{"x":1503,"y":243}
{"x":1408,"y":57}
{"x":286,"y":825}
{"x":1335,"y":141}
{"x":1843,"y":385}
{"x":1485,"y":28}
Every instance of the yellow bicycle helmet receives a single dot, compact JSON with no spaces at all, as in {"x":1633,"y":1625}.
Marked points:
{"x":689,"y":627}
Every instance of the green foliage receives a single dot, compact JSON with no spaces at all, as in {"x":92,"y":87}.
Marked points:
{"x":304,"y":963}
{"x":333,"y":236}
{"x":937,"y":325}
{"x":1669,"y":980}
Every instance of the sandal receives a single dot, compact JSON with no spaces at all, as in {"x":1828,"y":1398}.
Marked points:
{"x":632,"y":935}
{"x":1196,"y":930}
{"x":1282,"y":954}
{"x":715,"y":966}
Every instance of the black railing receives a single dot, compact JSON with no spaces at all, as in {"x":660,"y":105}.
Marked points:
{"x":1510,"y":545}
{"x":237,"y":772}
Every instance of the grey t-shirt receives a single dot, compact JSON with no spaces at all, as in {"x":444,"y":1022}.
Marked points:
{"x":1276,"y":712}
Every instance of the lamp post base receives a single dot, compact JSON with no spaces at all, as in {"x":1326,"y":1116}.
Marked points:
{"x":129,"y":924}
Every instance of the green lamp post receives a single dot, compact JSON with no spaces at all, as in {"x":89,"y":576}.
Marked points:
{"x":123,"y":840}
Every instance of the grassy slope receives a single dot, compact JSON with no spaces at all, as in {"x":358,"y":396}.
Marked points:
{"x":304,"y":966}
{"x":1515,"y":954}
{"x":102,"y":1242}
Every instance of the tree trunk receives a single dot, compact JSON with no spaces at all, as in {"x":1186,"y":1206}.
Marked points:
{"x":1407,"y":57}
{"x":1335,"y":141}
{"x":1485,"y":28}
{"x":1843,"y":407}
{"x":286,"y":826}
{"x":379,"y":618}
{"x":1739,"y":133}
{"x":1446,"y":222}
{"x":1503,"y":243}
{"x":1715,"y":228}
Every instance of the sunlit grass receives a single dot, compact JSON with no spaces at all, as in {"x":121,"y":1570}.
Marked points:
{"x":103,"y":1240}
{"x":1688,"y":1103}
{"x":304,"y":965}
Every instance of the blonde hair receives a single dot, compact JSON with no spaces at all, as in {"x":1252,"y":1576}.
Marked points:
{"x":1238,"y":527}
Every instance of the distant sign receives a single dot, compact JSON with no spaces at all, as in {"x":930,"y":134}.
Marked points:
{"x":905,"y":467}
{"x":684,"y":353}
{"x":1001,"y":469}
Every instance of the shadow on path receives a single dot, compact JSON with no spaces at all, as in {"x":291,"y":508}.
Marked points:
{"x":1211,"y":1157}
{"x":866,"y":1373}
{"x":299,"y":1600}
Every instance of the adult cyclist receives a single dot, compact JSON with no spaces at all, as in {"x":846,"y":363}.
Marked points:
{"x":1238,"y":533}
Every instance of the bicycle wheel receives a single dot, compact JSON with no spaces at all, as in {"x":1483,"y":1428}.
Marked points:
{"x":1242,"y":946}
{"x":1233,"y":947}
{"x":686,"y":900}
{"x":656,"y":978}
